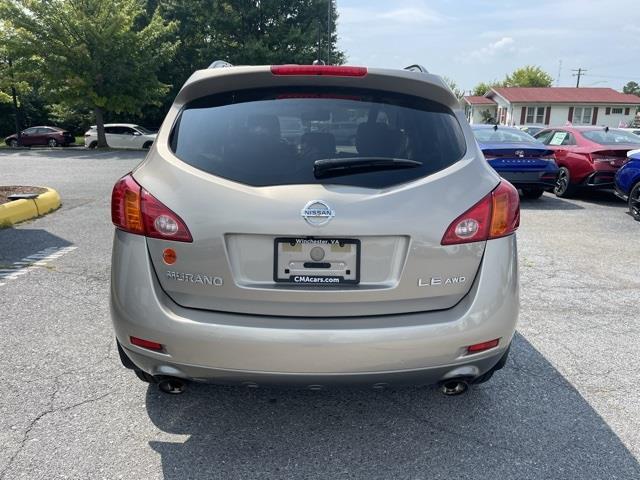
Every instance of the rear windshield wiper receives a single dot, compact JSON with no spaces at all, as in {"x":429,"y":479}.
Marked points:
{"x":333,"y":167}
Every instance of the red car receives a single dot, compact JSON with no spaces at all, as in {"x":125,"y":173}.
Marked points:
{"x":587,"y":156}
{"x":50,"y":136}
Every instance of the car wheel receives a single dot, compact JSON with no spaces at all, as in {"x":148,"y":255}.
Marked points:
{"x":13,"y":143}
{"x":563,"y":187}
{"x":147,"y":146}
{"x":93,"y":145}
{"x":52,"y":142}
{"x":634,"y":202}
{"x":532,"y":193}
{"x":145,"y":377}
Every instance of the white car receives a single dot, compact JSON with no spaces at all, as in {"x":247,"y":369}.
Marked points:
{"x":121,"y":135}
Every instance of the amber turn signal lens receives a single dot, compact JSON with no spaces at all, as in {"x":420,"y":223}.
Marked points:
{"x":169,"y":256}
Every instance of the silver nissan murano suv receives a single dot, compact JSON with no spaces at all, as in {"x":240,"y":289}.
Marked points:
{"x":371,"y":244}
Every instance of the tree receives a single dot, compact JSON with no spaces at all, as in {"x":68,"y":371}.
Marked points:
{"x":632,"y":88}
{"x":528,"y":76}
{"x":104,"y":54}
{"x":249,"y":32}
{"x":459,"y":94}
{"x":482,"y":88}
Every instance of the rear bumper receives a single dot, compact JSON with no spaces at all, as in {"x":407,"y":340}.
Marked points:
{"x":230,"y":348}
{"x":535,"y":179}
{"x":619,"y":193}
{"x":600,"y":179}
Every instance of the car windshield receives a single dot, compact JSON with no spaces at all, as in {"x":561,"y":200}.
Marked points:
{"x":611,"y":137}
{"x":276,"y":136}
{"x":502,"y":135}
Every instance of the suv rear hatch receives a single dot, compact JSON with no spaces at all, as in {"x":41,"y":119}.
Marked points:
{"x":312,"y":223}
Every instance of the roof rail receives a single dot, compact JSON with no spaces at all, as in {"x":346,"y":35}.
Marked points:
{"x":220,"y":64}
{"x":416,"y":68}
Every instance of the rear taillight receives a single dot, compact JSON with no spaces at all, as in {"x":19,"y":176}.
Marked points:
{"x":602,"y":158}
{"x":550,"y":158}
{"x":496,"y":215}
{"x":135,"y":210}
{"x":324,"y":70}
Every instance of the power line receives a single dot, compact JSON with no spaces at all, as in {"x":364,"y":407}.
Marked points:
{"x":579,"y":74}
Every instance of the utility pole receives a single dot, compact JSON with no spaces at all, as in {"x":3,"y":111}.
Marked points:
{"x":579,"y":74}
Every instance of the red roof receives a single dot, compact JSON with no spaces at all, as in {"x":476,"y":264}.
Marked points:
{"x":478,"y":100}
{"x":564,"y":95}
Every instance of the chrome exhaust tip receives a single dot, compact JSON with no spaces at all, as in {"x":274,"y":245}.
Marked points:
{"x":172,"y":385}
{"x":454,"y":386}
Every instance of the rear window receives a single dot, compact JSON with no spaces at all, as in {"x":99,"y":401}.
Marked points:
{"x":502,"y":135}
{"x":611,"y":137}
{"x":274,"y":136}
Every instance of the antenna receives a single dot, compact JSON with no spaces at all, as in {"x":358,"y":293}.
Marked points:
{"x":559,"y":73}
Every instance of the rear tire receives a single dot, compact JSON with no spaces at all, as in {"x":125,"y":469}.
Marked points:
{"x":532,"y":193}
{"x":563,"y":187}
{"x":13,"y":143}
{"x":485,"y":377}
{"x":145,"y":377}
{"x":147,"y":146}
{"x":93,"y":145}
{"x":634,"y":202}
{"x":52,"y":142}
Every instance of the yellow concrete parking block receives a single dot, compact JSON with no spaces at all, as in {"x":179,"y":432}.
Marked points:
{"x":23,"y":209}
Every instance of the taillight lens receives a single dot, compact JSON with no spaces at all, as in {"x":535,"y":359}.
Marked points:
{"x":496,"y":215}
{"x":135,"y":210}
{"x":326,"y":70}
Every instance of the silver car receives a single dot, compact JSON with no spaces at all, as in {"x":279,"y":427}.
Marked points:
{"x":244,"y":257}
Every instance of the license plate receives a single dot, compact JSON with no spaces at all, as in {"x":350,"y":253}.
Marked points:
{"x":316,"y":261}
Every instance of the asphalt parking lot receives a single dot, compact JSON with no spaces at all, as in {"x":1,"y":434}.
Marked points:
{"x":567,"y":405}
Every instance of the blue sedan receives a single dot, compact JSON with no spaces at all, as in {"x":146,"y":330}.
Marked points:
{"x":627,"y":183}
{"x":518,"y":157}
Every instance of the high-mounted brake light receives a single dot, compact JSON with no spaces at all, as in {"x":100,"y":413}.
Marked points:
{"x":135,"y":210}
{"x":496,"y":215}
{"x":322,"y":70}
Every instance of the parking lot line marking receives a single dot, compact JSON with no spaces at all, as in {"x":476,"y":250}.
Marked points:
{"x":32,"y":262}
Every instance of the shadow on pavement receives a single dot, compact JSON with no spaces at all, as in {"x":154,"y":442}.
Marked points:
{"x":527,"y":422}
{"x":17,"y":243}
{"x":548,"y":201}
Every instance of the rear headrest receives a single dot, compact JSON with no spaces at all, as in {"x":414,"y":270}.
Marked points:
{"x":377,"y":139}
{"x":320,"y":143}
{"x":268,"y":125}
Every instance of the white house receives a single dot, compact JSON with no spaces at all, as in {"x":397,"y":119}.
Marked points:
{"x":553,"y":106}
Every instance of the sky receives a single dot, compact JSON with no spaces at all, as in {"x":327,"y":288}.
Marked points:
{"x":471,"y":41}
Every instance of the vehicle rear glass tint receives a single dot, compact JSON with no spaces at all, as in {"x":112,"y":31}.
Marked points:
{"x":273,"y":136}
{"x":611,"y":137}
{"x":502,"y":135}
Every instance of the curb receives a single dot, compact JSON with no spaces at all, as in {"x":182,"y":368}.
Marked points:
{"x":21,"y":210}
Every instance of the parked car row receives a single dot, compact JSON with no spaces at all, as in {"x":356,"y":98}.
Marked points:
{"x":565,"y":159}
{"x":118,"y":135}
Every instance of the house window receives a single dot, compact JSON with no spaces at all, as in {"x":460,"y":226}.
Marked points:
{"x":582,"y":115}
{"x":616,"y":110}
{"x":535,"y":115}
{"x":502,"y":115}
